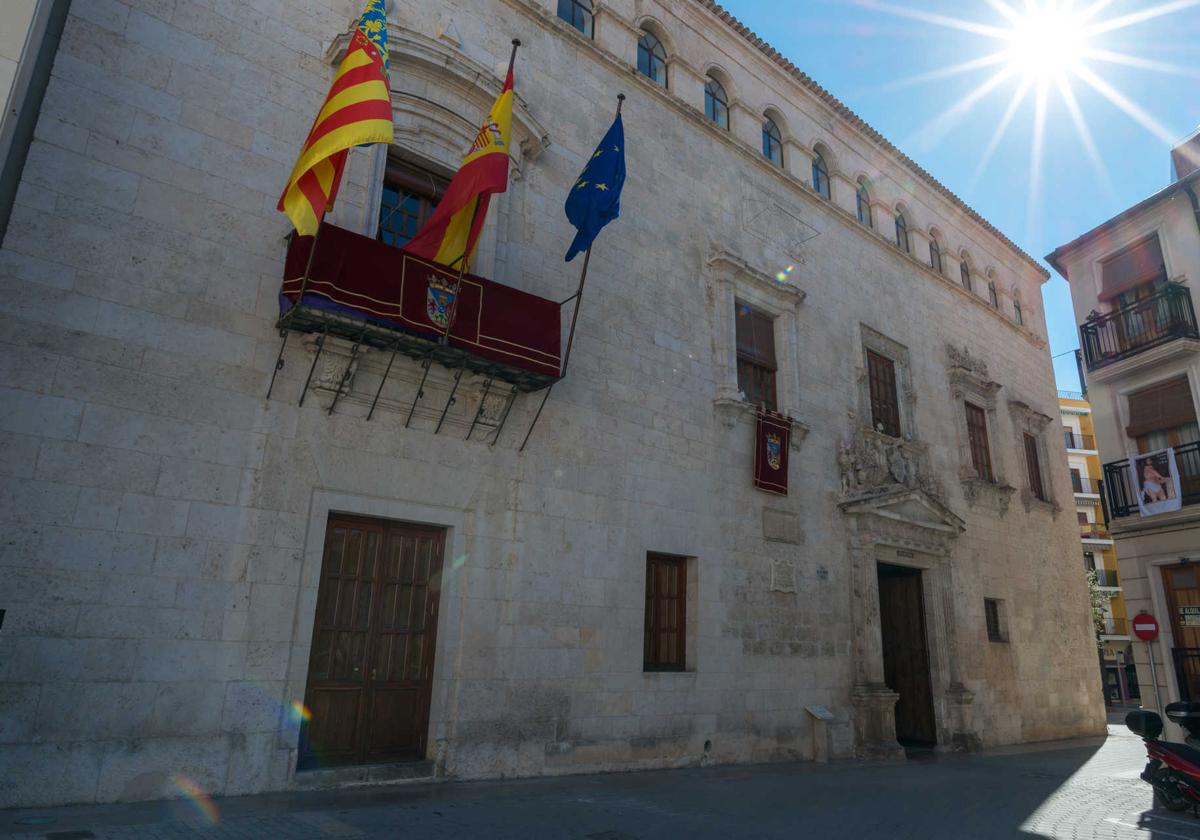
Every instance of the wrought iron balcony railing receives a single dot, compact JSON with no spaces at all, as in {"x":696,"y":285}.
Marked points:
{"x":1107,"y":577}
{"x":1085,"y":485}
{"x":1122,"y":492}
{"x":1077,"y":441}
{"x":1166,"y":315}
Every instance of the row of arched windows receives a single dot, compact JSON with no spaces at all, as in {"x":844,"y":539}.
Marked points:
{"x":652,"y":63}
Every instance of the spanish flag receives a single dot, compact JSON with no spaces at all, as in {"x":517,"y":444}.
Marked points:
{"x":452,"y":231}
{"x":357,"y":111}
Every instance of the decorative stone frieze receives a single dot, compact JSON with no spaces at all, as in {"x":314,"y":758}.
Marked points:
{"x":871,"y":463}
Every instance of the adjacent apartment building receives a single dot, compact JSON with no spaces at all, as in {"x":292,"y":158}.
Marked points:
{"x":1099,"y":550}
{"x":258,"y":553}
{"x":1133,"y":287}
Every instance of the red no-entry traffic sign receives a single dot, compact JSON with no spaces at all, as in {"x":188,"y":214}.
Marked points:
{"x":1145,"y":627}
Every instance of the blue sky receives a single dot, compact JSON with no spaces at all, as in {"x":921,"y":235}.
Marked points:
{"x":861,"y":50}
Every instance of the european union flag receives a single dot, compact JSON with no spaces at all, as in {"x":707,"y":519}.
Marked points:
{"x":595,"y":199}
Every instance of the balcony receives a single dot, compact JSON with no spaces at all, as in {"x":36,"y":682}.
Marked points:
{"x":1085,"y":485}
{"x":1108,"y":578}
{"x":1077,"y":441}
{"x":1094,"y":531}
{"x":1116,"y":627}
{"x":1161,"y":318}
{"x":1122,"y":494}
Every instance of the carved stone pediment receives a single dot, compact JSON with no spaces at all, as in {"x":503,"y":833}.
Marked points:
{"x":962,"y":359}
{"x":1033,"y":419}
{"x":969,"y":375}
{"x":873,"y":463}
{"x":912,"y":508}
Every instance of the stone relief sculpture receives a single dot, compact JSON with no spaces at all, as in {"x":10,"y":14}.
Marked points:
{"x":872,"y":463}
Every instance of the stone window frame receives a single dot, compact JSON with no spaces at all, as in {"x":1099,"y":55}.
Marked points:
{"x":969,"y":383}
{"x":1028,"y":420}
{"x":1001,"y":613}
{"x":733,"y":280}
{"x":906,"y":396}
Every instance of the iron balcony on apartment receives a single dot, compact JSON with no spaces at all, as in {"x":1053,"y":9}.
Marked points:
{"x":1079,"y":442}
{"x":1122,"y":493}
{"x":1085,"y":486}
{"x":1165,"y":316}
{"x":1115,"y":628}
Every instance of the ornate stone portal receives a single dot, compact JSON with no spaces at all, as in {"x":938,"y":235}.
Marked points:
{"x":896,"y":514}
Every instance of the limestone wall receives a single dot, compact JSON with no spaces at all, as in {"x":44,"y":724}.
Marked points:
{"x":164,"y":521}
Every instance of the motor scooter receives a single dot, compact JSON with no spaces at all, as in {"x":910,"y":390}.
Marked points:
{"x":1173,"y":770}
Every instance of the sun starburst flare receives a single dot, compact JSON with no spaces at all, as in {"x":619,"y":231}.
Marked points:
{"x":1047,"y":47}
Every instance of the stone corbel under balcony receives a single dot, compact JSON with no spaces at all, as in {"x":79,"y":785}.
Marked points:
{"x":987,"y":494}
{"x":730,"y":411}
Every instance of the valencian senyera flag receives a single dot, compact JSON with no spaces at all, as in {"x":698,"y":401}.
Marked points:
{"x":357,"y":111}
{"x":452,"y":231}
{"x":595,"y":198}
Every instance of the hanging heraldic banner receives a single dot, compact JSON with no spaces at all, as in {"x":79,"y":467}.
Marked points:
{"x":1156,"y":482}
{"x":772,"y":436}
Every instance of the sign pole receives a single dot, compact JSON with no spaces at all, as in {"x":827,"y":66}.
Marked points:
{"x":1145,"y":627}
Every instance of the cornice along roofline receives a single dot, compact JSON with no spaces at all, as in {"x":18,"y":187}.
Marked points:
{"x":857,"y":122}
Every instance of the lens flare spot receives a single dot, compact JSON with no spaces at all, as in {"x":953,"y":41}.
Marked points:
{"x":299,"y":713}
{"x":198,"y":798}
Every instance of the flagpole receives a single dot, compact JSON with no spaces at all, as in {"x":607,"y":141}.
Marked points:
{"x":574,"y":320}
{"x":465,"y":258}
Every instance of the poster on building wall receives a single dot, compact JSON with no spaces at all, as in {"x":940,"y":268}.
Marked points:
{"x":1156,"y":481}
{"x":772,"y":437}
{"x":1189,"y":616}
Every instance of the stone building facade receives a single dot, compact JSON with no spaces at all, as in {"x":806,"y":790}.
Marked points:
{"x":169,"y":528}
{"x":1131,"y":289}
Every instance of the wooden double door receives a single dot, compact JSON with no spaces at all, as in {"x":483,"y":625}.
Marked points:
{"x":906,"y":653}
{"x":371,"y":665}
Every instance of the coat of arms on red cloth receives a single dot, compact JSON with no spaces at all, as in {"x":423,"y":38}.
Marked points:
{"x":772,"y":436}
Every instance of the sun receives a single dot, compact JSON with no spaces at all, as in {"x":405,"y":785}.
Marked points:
{"x":1045,"y":43}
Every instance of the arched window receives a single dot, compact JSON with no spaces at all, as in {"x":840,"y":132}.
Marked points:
{"x":652,"y":59}
{"x":578,"y":13}
{"x":964,"y":272}
{"x":992,"y":296}
{"x":820,"y":176}
{"x":902,"y":233}
{"x":863,"y":200}
{"x":772,"y":142}
{"x":935,"y":255}
{"x":716,"y":103}
{"x":1018,"y":315}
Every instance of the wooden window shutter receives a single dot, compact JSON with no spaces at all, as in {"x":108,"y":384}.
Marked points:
{"x":1137,"y":264}
{"x":981,"y":457}
{"x":1035,"y":469}
{"x":1167,"y":405}
{"x":885,"y":407}
{"x":755,"y":336}
{"x":664,"y":644}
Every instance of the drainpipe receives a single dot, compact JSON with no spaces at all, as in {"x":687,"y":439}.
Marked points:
{"x":25,"y":100}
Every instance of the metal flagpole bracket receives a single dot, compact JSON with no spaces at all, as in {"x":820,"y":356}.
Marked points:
{"x":426,"y":363}
{"x":449,"y":400}
{"x":386,"y":371}
{"x":313,"y":366}
{"x":284,"y":333}
{"x":348,"y":372}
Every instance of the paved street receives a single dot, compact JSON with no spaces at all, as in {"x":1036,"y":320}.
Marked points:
{"x":1076,"y":791}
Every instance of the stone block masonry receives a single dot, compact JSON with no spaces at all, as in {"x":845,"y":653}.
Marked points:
{"x":164,"y":524}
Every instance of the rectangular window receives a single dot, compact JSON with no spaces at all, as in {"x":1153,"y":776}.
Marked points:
{"x":981,"y":457}
{"x":1162,"y":415}
{"x":1034,"y":468}
{"x":885,"y":407}
{"x":756,"y":363}
{"x":1081,"y":517}
{"x":995,"y":628}
{"x":409,"y":198}
{"x":1089,"y":561}
{"x":1139,"y":264}
{"x":664,"y":644}
{"x":1076,"y":481}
